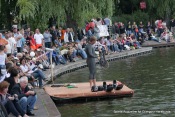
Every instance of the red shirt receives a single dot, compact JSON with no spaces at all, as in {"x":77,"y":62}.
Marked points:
{"x":92,"y":24}
{"x":32,"y":41}
{"x":87,"y":27}
{"x":159,"y":25}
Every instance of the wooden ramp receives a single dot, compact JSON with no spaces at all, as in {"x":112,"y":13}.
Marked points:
{"x":83,"y":90}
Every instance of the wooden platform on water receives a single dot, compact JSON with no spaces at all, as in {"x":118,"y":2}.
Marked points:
{"x":83,"y":91}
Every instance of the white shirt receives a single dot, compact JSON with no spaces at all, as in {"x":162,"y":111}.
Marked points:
{"x":12,"y":43}
{"x":25,"y":68}
{"x":38,"y":38}
{"x":2,"y":59}
{"x":2,"y":78}
{"x":2,"y":62}
{"x":66,"y":36}
{"x":18,"y":36}
{"x":98,"y":45}
{"x":32,"y":66}
{"x":9,"y":47}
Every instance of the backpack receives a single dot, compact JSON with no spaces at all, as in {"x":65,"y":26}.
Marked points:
{"x":109,"y":88}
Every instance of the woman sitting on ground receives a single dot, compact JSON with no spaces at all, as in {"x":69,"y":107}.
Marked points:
{"x":71,"y":53}
{"x":10,"y":102}
{"x":25,"y":67}
{"x":56,"y":55}
{"x":13,"y":79}
{"x":79,"y":50}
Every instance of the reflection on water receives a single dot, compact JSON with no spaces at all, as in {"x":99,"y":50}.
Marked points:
{"x":151,"y":76}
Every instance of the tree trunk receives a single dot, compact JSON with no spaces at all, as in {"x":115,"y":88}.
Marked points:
{"x":71,"y":23}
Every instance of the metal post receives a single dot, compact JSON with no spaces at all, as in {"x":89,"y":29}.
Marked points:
{"x":51,"y":66}
{"x":50,"y":50}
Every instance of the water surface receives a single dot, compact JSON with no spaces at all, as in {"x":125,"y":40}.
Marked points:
{"x":151,"y":76}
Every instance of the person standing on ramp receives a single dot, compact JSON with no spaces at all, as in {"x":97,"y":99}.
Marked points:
{"x":91,"y":60}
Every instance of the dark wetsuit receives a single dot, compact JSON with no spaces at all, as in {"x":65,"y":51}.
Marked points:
{"x":91,"y":60}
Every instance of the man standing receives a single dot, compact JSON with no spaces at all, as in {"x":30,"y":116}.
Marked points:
{"x":47,"y":38}
{"x":54,"y":34}
{"x":38,"y":38}
{"x":172,"y":26}
{"x":27,"y":36}
{"x":107,"y":21}
{"x":27,"y":97}
{"x":68,"y":37}
{"x":90,"y":51}
{"x":18,"y":38}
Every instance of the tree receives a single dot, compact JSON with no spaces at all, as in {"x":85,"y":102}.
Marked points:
{"x":74,"y":13}
{"x":7,"y":13}
{"x":27,"y":8}
{"x":163,"y":9}
{"x":71,"y":12}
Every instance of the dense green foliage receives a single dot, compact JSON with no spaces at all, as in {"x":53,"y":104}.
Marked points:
{"x":137,"y":16}
{"x":74,"y":13}
{"x":71,"y":12}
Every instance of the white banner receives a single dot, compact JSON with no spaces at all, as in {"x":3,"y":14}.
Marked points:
{"x":103,"y":30}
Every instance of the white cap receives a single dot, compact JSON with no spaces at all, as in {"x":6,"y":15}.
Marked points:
{"x":32,"y":54}
{"x":16,"y":58}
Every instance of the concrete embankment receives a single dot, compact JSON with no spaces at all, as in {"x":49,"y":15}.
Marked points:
{"x":161,"y":44}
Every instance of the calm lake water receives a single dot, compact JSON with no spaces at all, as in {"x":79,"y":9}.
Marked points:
{"x":151,"y":76}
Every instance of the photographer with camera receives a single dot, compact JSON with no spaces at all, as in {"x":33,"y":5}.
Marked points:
{"x":10,"y":102}
{"x":27,"y":97}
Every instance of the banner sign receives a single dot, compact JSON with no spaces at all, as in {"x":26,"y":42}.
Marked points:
{"x":103,"y":30}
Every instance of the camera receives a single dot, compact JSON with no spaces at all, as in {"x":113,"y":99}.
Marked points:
{"x":15,"y":97}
